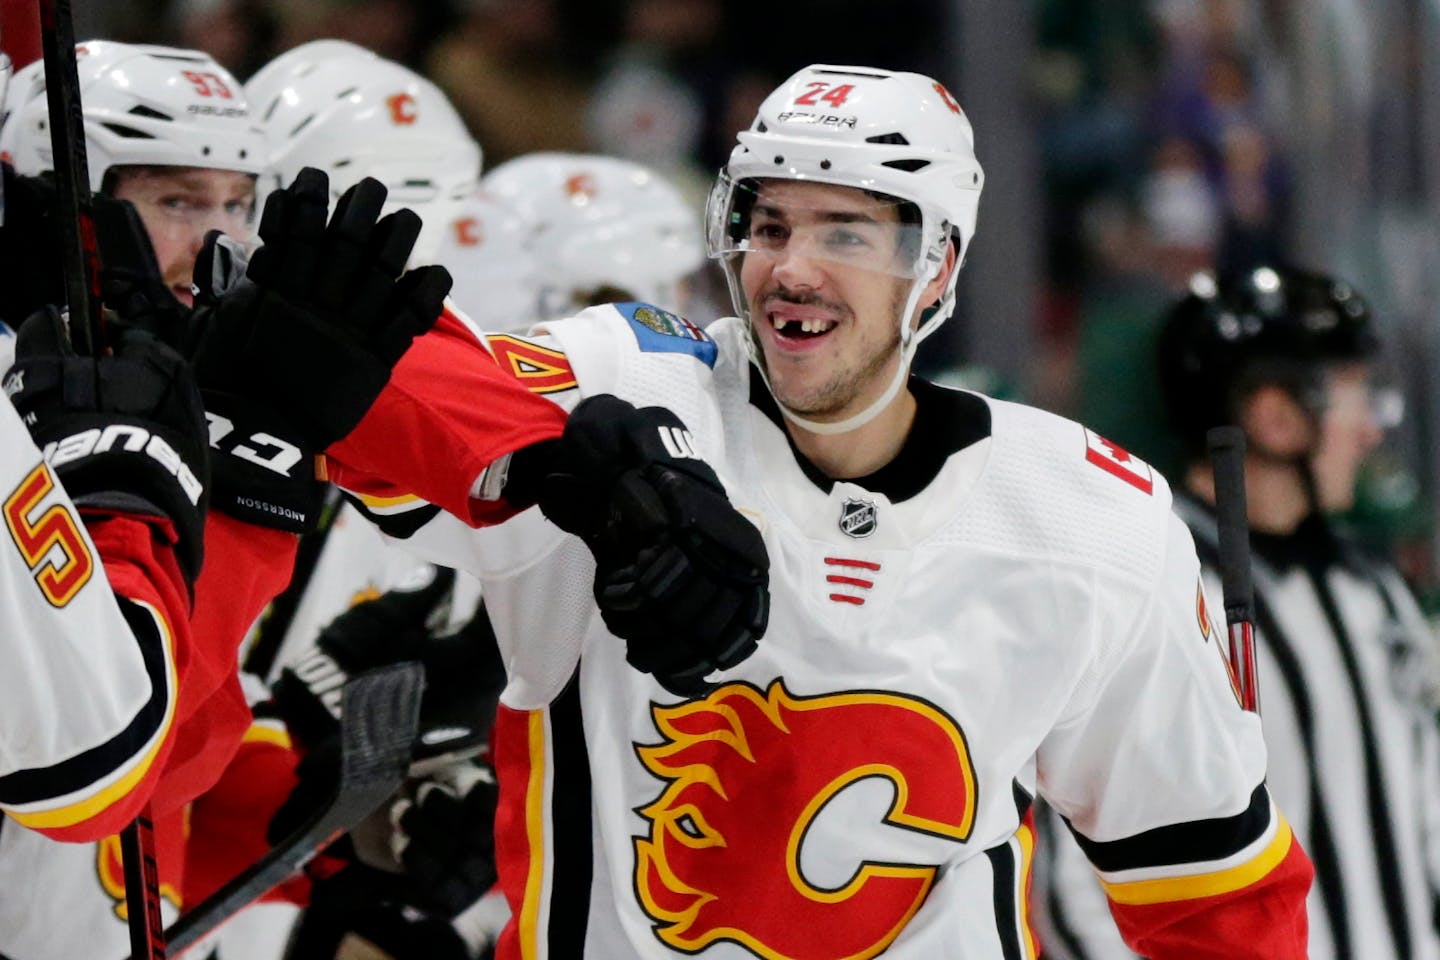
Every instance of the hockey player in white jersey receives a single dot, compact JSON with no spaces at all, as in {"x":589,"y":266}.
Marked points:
{"x":1347,"y":665}
{"x":90,"y":621}
{"x":973,"y":603}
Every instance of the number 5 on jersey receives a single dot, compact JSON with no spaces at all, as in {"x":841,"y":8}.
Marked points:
{"x":51,"y":543}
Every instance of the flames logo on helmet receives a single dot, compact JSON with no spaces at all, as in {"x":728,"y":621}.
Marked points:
{"x":580,"y":187}
{"x":748,"y":774}
{"x":402,"y":109}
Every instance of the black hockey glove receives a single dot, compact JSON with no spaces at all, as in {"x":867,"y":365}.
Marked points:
{"x":131,"y":282}
{"x":124,"y":431}
{"x":680,"y":575}
{"x":293,"y":355}
{"x":463,"y":672}
{"x":445,"y":839}
{"x":29,"y":247}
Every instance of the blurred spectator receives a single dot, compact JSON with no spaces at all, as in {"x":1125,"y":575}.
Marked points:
{"x":505,"y":71}
{"x":1143,"y":258}
{"x":664,"y":90}
{"x":239,"y":34}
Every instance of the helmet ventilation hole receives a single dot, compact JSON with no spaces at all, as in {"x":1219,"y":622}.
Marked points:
{"x":824,"y":164}
{"x":779,"y":160}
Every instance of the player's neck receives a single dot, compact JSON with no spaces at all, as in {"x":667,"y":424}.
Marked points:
{"x":862,"y":451}
{"x":1275,"y":497}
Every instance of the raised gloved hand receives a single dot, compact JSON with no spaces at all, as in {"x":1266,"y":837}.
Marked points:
{"x":681,"y":576}
{"x":124,"y":431}
{"x":292,"y":356}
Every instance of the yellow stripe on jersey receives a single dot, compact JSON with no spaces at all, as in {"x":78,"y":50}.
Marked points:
{"x":1026,"y":836}
{"x":268,"y":733}
{"x":384,"y":503}
{"x":535,"y":832}
{"x":1196,"y":886}
{"x":95,"y":803}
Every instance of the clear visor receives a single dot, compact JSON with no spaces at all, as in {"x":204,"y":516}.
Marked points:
{"x":846,"y":226}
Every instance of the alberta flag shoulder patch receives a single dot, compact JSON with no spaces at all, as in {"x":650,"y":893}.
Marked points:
{"x":660,"y":331}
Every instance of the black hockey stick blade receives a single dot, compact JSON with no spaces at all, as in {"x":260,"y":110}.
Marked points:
{"x":380,"y":716}
{"x":79,"y":253}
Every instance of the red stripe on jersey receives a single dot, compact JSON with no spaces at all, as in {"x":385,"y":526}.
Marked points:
{"x":846,"y":562}
{"x":846,"y":598}
{"x":518,"y":748}
{"x":1264,"y":920}
{"x":850,"y":581}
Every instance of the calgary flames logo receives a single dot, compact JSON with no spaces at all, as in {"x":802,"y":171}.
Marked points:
{"x":402,"y":109}
{"x":748,"y":774}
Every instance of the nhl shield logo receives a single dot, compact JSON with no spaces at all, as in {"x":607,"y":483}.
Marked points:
{"x":857,"y":518}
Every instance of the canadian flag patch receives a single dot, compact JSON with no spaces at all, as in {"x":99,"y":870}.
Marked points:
{"x":1118,"y":462}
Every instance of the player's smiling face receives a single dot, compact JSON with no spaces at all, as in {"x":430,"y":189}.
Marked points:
{"x":822,"y":282}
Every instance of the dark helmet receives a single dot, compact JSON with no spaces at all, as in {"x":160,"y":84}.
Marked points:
{"x":1268,"y":326}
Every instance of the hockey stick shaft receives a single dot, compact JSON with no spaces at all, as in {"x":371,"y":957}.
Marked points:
{"x":80,"y":257}
{"x":80,"y":261}
{"x":142,"y":888}
{"x":379,"y":720}
{"x":1227,"y":459}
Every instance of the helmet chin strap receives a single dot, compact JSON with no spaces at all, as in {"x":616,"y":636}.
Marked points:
{"x":909,"y":341}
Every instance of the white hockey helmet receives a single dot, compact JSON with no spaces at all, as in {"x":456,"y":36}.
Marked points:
{"x":353,"y":114}
{"x":16,"y":84}
{"x":143,"y":105}
{"x":894,"y":135}
{"x":602,"y":226}
{"x":484,"y":245}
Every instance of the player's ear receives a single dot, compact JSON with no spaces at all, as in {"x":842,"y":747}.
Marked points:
{"x":935,"y":289}
{"x":1275,"y":422}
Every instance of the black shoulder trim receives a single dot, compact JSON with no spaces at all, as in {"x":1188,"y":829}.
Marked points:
{"x":1198,"y":841}
{"x":85,"y":769}
{"x":946,"y":422}
{"x":401,"y":526}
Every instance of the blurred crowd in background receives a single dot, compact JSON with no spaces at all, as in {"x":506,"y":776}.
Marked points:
{"x":1169,"y":136}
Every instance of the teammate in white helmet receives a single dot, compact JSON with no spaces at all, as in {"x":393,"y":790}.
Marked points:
{"x":342,"y":109}
{"x":607,"y":230}
{"x":972,"y":602}
{"x":498,"y":273}
{"x":339,"y":108}
{"x":168,"y":130}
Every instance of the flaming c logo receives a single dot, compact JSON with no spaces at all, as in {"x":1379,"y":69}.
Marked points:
{"x":402,"y":109}
{"x":747,"y":775}
{"x":580,"y":188}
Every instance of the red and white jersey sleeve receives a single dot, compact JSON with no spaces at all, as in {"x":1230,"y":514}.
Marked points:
{"x":449,"y":412}
{"x":93,"y":618}
{"x":1199,"y":862}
